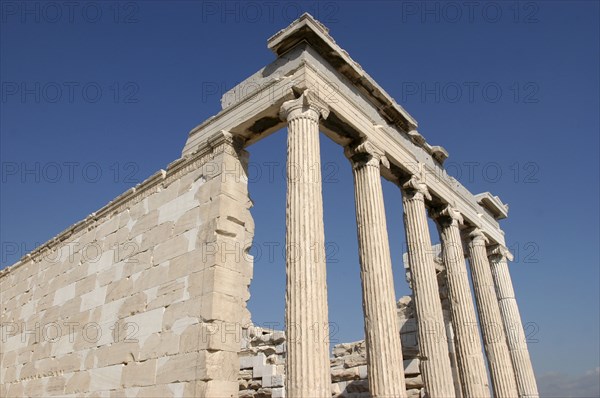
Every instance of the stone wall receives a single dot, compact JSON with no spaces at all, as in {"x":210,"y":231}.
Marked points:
{"x":137,"y":299}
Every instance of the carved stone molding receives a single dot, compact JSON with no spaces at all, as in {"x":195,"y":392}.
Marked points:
{"x":416,"y":188}
{"x":365,"y":153}
{"x":307,"y":105}
{"x":499,"y":251}
{"x":447,"y":215}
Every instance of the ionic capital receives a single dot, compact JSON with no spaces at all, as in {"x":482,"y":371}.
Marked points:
{"x":307,"y":105}
{"x":499,"y":251}
{"x":365,"y":154}
{"x":416,"y":188}
{"x":477,"y":237}
{"x":447,"y":215}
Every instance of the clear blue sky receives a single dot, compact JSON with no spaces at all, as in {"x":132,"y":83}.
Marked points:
{"x":510,"y":89}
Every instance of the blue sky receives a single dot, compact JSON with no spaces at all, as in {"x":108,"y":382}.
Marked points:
{"x":97,"y":96}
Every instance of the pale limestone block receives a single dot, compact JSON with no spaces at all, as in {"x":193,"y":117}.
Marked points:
{"x":273,"y":381}
{"x":15,"y":390}
{"x":186,"y":264}
{"x":164,"y":195}
{"x":222,"y":365}
{"x":184,"y":367}
{"x":171,"y":286}
{"x":170,"y":248}
{"x":35,"y":387}
{"x":224,"y":280}
{"x":196,"y":283}
{"x":354,"y":360}
{"x":219,"y":388}
{"x":78,"y":319}
{"x":71,"y":362}
{"x":133,"y":305}
{"x":139,"y":374}
{"x":150,"y":278}
{"x":177,"y":389}
{"x":411,"y":366}
{"x":107,"y":226}
{"x":147,"y":323}
{"x":107,"y":276}
{"x":218,"y":306}
{"x":223,"y":336}
{"x":183,"y":324}
{"x":188,"y":221}
{"x":109,"y":312}
{"x":119,"y":289}
{"x":414,"y":382}
{"x":65,"y":340}
{"x":118,"y":352}
{"x":138,"y":262}
{"x":174,"y":209}
{"x":106,"y":378}
{"x":247,"y":361}
{"x":64,"y":294}
{"x":345,"y":374}
{"x":192,"y":237}
{"x":362,"y":371}
{"x":85,"y":285}
{"x":192,"y":177}
{"x":188,"y":308}
{"x":124,"y":218}
{"x":55,"y":385}
{"x":139,"y":209}
{"x":93,"y":299}
{"x":24,"y":354}
{"x":156,"y":235}
{"x":414,"y":393}
{"x":223,"y":205}
{"x":157,"y":391}
{"x":144,"y":223}
{"x":14,"y":343}
{"x":159,"y":345}
{"x":27,"y":310}
{"x":168,"y":298}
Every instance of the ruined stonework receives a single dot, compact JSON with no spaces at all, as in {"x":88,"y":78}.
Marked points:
{"x":263,"y":354}
{"x":147,"y":296}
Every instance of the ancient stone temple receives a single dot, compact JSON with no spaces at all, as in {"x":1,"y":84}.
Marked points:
{"x":147,"y":296}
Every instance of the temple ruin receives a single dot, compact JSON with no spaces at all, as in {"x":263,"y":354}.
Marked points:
{"x":143,"y":297}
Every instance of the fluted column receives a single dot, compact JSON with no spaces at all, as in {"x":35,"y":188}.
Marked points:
{"x":306,"y":315}
{"x":433,"y":345}
{"x":494,"y":339}
{"x":384,"y":351}
{"x":469,"y":354}
{"x":513,"y":327}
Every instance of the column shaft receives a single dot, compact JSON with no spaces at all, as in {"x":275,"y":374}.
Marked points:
{"x":494,"y":339}
{"x":384,"y":352}
{"x":513,"y":327}
{"x":307,"y":365}
{"x":469,"y":353}
{"x":433,"y":345}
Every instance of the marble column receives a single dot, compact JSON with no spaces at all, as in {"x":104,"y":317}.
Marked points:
{"x":513,"y":327}
{"x":469,"y":353}
{"x":494,"y":339}
{"x":306,"y":314}
{"x":384,"y":351}
{"x":433,"y":345}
